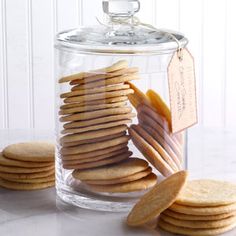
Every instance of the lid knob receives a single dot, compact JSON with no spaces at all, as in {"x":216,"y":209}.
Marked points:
{"x":120,"y":8}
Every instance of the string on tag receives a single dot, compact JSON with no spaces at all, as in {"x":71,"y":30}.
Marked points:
{"x":135,"y":21}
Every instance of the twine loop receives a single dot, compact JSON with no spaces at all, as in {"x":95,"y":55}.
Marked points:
{"x":133,"y":21}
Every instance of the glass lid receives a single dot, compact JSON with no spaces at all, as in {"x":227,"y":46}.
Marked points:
{"x":122,"y":33}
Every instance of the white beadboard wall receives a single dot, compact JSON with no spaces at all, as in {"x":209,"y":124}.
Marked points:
{"x":27,"y":29}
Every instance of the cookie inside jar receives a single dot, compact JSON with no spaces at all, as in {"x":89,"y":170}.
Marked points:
{"x":110,"y":127}
{"x":96,"y":113}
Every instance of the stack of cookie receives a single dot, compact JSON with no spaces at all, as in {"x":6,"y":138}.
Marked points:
{"x":131,"y":175}
{"x":27,"y":166}
{"x":152,"y":135}
{"x":198,"y":207}
{"x":96,"y":115}
{"x":204,"y":207}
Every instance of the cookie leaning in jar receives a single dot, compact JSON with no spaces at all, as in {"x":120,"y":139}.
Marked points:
{"x":173,"y":163}
{"x":152,"y":135}
{"x":150,"y":153}
{"x":159,"y":133}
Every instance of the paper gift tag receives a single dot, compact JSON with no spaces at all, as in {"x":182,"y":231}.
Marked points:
{"x":182,"y":91}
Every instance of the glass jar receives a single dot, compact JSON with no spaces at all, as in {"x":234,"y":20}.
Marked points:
{"x":113,"y":121}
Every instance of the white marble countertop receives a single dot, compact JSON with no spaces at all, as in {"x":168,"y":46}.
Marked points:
{"x":38,"y":213}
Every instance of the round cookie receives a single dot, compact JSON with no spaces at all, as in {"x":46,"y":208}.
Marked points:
{"x":214,"y":210}
{"x":21,"y":170}
{"x":92,"y":154}
{"x":103,"y":162}
{"x":94,"y":90}
{"x":161,"y":141}
{"x":206,"y":192}
{"x":153,"y":113}
{"x":94,"y":140}
{"x":98,"y":96}
{"x":150,"y":153}
{"x":91,"y":108}
{"x":181,"y":216}
{"x":137,"y":185}
{"x":26,"y":175}
{"x":106,"y":82}
{"x":157,"y":199}
{"x":47,"y":179}
{"x":96,"y":114}
{"x":173,"y":163}
{"x":193,"y":232}
{"x":96,"y":157}
{"x":133,"y":177}
{"x":121,"y":170}
{"x":159,"y":105}
{"x":10,"y":162}
{"x":147,"y":120}
{"x":95,"y":134}
{"x":97,"y":76}
{"x":138,"y":97}
{"x":94,"y":146}
{"x":99,"y":121}
{"x":150,"y":110}
{"x":116,"y":66}
{"x":94,"y":102}
{"x":96,"y":127}
{"x":199,"y":224}
{"x":30,"y":151}
{"x":25,"y":186}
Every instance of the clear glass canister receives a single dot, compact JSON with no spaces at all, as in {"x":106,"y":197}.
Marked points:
{"x":113,"y":121}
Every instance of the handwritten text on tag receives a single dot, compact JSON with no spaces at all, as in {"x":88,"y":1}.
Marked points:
{"x":182,"y":91}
